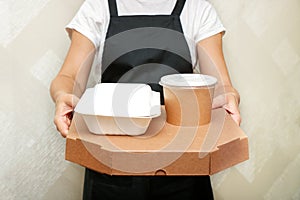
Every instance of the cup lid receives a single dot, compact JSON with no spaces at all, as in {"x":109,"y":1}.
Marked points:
{"x":188,"y":80}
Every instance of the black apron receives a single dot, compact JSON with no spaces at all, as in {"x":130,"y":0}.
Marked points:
{"x":142,"y":49}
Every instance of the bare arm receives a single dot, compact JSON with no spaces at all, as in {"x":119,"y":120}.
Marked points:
{"x":212,"y":62}
{"x":70,"y":82}
{"x":73,"y":75}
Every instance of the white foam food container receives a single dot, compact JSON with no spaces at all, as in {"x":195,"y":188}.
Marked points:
{"x":119,"y":108}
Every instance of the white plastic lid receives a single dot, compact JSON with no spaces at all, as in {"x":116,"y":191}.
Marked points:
{"x":120,"y":100}
{"x":187,"y":80}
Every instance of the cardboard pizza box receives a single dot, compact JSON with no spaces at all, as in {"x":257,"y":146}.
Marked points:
{"x":164,"y":149}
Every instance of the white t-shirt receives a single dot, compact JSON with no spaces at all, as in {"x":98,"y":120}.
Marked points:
{"x":198,"y":18}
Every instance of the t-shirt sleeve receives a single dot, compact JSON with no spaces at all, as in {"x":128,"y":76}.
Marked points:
{"x":208,"y":22}
{"x":87,"y":21}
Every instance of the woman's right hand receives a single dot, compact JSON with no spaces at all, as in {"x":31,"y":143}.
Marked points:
{"x":65,"y":104}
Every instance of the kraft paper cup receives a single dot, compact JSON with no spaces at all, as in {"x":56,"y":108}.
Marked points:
{"x":188,"y":98}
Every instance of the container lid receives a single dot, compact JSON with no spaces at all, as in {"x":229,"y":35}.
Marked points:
{"x":188,"y":80}
{"x":120,"y":100}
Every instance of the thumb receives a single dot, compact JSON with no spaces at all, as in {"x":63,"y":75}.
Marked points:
{"x":71,"y":100}
{"x":218,"y":102}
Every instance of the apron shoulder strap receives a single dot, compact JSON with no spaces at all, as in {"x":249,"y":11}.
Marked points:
{"x":113,"y":10}
{"x":178,"y":7}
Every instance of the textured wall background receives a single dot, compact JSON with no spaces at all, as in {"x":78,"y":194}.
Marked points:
{"x":262,"y":49}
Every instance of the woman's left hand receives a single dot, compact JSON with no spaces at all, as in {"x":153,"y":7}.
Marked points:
{"x":230,"y":103}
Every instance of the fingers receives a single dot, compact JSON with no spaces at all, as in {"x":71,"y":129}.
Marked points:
{"x":234,"y":113}
{"x":230,"y":104}
{"x":237,"y":118}
{"x":233,"y":109}
{"x":61,"y":125}
{"x":64,"y":107}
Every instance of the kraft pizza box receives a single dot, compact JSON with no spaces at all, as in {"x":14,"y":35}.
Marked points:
{"x":164,"y":149}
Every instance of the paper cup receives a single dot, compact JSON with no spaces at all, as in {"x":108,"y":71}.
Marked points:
{"x":188,"y":98}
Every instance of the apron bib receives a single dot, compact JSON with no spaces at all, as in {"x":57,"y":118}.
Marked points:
{"x":143,"y":48}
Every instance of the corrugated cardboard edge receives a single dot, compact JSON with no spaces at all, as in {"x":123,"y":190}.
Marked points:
{"x":78,"y":153}
{"x":226,"y":156}
{"x":175,"y":168}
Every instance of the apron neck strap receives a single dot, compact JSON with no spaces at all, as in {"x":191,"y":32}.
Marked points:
{"x":113,"y":8}
{"x":178,"y":7}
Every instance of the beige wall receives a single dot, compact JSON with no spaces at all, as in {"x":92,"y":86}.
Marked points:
{"x":262,"y":49}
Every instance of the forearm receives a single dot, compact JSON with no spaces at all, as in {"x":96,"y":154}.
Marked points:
{"x":71,"y":82}
{"x":73,"y":76}
{"x":64,"y":84}
{"x":212,"y":62}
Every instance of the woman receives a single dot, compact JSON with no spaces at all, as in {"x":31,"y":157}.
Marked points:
{"x":140,"y":41}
